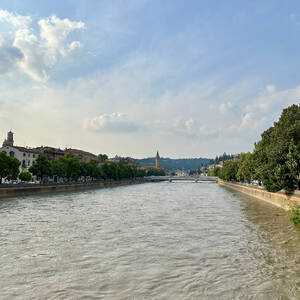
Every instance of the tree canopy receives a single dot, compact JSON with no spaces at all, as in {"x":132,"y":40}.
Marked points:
{"x":9,"y":167}
{"x":71,"y":169}
{"x":275,"y":160}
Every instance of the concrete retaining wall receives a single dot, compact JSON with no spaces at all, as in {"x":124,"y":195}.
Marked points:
{"x":36,"y":189}
{"x":278,"y":199}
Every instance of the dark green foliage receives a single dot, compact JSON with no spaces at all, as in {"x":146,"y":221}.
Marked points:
{"x":295,"y":215}
{"x":229,"y":171}
{"x":41,"y":167}
{"x":72,"y":166}
{"x":222,"y":158}
{"x":156,"y":172}
{"x":214,"y":172}
{"x":59,"y":168}
{"x":25,"y":176}
{"x":13,"y":166}
{"x":277,"y":155}
{"x":195,"y":172}
{"x":246,"y":171}
{"x":102,"y":157}
{"x":276,"y":158}
{"x":118,"y":170}
{"x":9,"y":167}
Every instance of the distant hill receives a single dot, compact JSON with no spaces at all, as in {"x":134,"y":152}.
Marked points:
{"x":175,"y":164}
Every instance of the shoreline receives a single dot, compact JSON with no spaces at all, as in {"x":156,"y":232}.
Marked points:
{"x":40,"y":189}
{"x":281,"y":200}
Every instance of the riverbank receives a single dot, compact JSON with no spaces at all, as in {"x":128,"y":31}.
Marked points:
{"x":38,"y":189}
{"x":279,"y":199}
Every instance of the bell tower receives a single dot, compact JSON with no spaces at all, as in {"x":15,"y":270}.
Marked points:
{"x":157,"y":161}
{"x":10,"y":139}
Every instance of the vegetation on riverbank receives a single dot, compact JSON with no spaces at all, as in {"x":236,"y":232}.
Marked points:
{"x":9,"y":167}
{"x":295,"y":216}
{"x":69,"y":168}
{"x":275,"y":161}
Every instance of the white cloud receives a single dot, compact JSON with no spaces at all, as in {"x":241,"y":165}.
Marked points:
{"x":249,"y":121}
{"x":40,"y":53}
{"x":74,"y":46}
{"x":225,"y":107}
{"x":54,"y":32}
{"x":14,"y":19}
{"x":111,"y":123}
{"x":270,"y":88}
{"x":189,"y":127}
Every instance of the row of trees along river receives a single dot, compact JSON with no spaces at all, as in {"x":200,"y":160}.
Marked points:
{"x":275,"y":161}
{"x":68,"y":168}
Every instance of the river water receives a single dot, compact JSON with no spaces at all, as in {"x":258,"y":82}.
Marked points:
{"x":179,"y":240}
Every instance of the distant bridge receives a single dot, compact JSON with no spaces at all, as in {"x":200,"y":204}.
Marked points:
{"x":182,"y":178}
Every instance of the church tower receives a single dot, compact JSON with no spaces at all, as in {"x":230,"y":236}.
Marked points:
{"x":157,"y":161}
{"x":10,"y":139}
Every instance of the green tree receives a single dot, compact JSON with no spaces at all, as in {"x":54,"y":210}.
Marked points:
{"x":246,"y":171}
{"x":156,"y":172}
{"x":214,"y":172}
{"x":72,"y":166}
{"x":276,"y":155}
{"x":293,"y":164}
{"x":9,"y":167}
{"x":140,"y":173}
{"x":41,"y":167}
{"x":4,"y":168}
{"x":58,"y":168}
{"x":13,"y":165}
{"x":25,"y":176}
{"x":102,"y":158}
{"x":229,"y":170}
{"x":93,"y":169}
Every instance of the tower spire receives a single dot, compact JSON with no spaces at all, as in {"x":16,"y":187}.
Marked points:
{"x":157,"y":160}
{"x":10,"y":139}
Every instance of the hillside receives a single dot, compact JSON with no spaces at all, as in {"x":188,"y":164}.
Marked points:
{"x":174,"y":164}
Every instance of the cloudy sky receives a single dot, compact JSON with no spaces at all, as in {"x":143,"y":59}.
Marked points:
{"x":188,"y":78}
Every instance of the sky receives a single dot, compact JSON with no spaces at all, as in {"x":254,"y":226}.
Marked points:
{"x":188,"y":78}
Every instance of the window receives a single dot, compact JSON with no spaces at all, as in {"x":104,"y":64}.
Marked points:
{"x":33,"y":155}
{"x":24,"y":154}
{"x":23,"y":164}
{"x":12,"y":154}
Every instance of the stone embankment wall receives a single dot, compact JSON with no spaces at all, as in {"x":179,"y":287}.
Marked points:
{"x":279,"y":199}
{"x":36,"y":189}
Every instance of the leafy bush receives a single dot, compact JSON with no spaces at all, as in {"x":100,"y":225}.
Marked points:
{"x":25,"y":176}
{"x":295,"y":215}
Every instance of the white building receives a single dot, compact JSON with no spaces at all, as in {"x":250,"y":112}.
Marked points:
{"x":26,"y":156}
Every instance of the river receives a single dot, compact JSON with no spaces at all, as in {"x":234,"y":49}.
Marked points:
{"x":178,"y":240}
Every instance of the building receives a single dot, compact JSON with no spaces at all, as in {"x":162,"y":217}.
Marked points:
{"x":157,"y":161}
{"x":51,"y":153}
{"x":156,"y":166}
{"x":10,"y":139}
{"x":26,"y":156}
{"x":81,"y":155}
{"x":119,"y":159}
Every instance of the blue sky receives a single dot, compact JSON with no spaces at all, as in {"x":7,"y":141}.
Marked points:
{"x":189,"y":78}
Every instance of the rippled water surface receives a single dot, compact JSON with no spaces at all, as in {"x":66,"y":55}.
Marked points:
{"x":150,"y":241}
